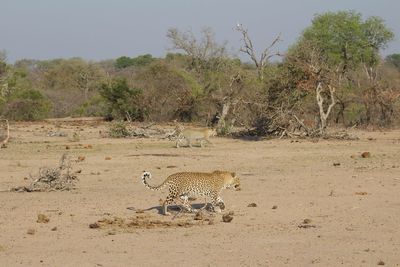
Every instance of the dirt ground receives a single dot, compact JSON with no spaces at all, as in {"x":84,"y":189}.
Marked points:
{"x":317,"y":203}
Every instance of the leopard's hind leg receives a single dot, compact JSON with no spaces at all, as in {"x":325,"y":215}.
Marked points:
{"x":168,"y":201}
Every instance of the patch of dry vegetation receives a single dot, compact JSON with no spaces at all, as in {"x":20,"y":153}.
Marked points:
{"x":60,"y":178}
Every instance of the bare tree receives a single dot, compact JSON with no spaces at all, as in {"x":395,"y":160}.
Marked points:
{"x":199,"y":50}
{"x":248,"y":49}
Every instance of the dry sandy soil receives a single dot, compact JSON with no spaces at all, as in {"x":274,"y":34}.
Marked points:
{"x":309,"y":212}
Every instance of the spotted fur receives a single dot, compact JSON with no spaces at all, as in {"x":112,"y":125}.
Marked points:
{"x":185,"y":185}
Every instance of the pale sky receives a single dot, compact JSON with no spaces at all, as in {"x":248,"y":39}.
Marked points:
{"x":101,"y":29}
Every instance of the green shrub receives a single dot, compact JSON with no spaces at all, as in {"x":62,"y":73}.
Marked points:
{"x":95,"y":106}
{"x":26,"y":105}
{"x":122,"y":100}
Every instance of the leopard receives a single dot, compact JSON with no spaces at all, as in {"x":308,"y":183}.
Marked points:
{"x":195,"y":134}
{"x":189,"y":185}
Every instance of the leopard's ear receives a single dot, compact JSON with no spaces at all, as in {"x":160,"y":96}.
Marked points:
{"x":233,"y":174}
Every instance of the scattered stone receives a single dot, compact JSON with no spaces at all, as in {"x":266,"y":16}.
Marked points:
{"x":171,"y":166}
{"x":41,"y":218}
{"x":274,"y":207}
{"x":366,"y":155}
{"x":80,"y":158}
{"x":111,"y":232}
{"x":67,"y":147}
{"x":381,"y":262}
{"x":227,"y":218}
{"x":336,"y":164}
{"x":252,"y":205}
{"x":306,"y":224}
{"x":94,"y":225}
{"x":54,"y":228}
{"x":31,"y":231}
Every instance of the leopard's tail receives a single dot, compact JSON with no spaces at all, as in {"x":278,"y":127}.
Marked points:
{"x":147,"y":175}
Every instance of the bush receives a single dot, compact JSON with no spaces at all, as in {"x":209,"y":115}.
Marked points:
{"x":122,"y":101}
{"x":118,"y":130}
{"x":26,"y":105}
{"x":95,"y":106}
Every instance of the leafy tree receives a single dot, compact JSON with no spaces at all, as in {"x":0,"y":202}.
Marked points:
{"x":27,"y":105}
{"x":122,"y":100}
{"x":346,"y":40}
{"x":139,"y":61}
{"x":69,"y":83}
{"x":393,"y":59}
{"x":123,"y":62}
{"x":168,"y":92}
{"x":333,"y":46}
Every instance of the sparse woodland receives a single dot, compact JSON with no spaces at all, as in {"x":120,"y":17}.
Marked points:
{"x":333,"y":75}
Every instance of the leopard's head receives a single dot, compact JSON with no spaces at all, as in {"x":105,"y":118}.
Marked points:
{"x":235,"y":182}
{"x":230,"y":180}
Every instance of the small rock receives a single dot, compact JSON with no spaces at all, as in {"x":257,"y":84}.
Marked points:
{"x":81,"y":158}
{"x":336,"y":164}
{"x":361,"y":193}
{"x":252,"y":205}
{"x":94,"y":225}
{"x":274,"y":207}
{"x":41,"y":218}
{"x":54,"y":228}
{"x":307,"y":221}
{"x":366,"y":155}
{"x":171,"y":166}
{"x":67,"y":147}
{"x":107,"y":158}
{"x":227,"y":218}
{"x":381,"y":262}
{"x":31,"y":231}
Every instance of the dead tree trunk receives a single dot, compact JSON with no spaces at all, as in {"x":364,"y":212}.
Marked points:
{"x":226,"y":105}
{"x":320,"y":101}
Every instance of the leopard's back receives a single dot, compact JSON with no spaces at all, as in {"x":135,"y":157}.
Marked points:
{"x":195,"y":183}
